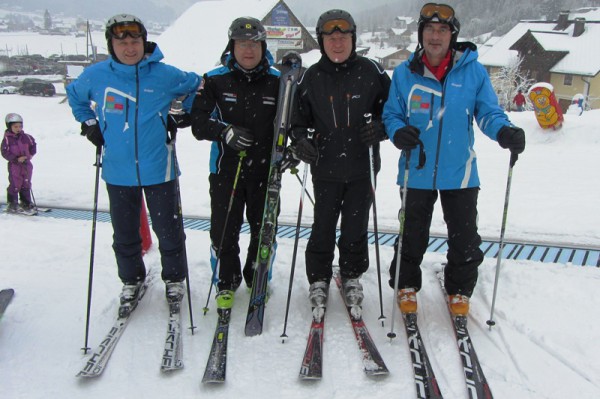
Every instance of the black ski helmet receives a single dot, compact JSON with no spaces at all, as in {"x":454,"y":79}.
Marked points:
{"x":332,"y":15}
{"x":122,"y":19}
{"x":246,"y":28}
{"x":452,"y":22}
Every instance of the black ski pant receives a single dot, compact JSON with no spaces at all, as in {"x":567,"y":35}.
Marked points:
{"x":163,"y":205}
{"x":464,"y":255}
{"x":352,"y":200}
{"x":249,"y":195}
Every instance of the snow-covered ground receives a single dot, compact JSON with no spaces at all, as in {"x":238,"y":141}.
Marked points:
{"x":545,"y":344}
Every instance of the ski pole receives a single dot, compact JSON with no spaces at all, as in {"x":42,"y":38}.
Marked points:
{"x":296,"y":239}
{"x":92,"y":248}
{"x":295,"y":173}
{"x":33,"y":199}
{"x":369,"y":118}
{"x":513,"y":160}
{"x":242,"y":154}
{"x":392,"y":334}
{"x":182,"y":232}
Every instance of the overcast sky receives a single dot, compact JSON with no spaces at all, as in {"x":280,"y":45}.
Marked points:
{"x":307,"y":10}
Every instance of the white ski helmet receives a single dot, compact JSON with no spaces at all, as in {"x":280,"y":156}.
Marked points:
{"x":12,"y":118}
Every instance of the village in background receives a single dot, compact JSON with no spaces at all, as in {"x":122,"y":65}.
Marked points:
{"x":532,"y":51}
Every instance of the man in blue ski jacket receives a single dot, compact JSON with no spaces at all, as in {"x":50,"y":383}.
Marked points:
{"x":131,"y":94}
{"x":434,"y":98}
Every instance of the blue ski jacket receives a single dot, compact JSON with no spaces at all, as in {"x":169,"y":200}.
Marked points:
{"x":131,"y":103}
{"x":444,"y":113}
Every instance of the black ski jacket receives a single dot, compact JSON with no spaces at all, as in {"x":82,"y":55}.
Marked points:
{"x":333,"y":99}
{"x":229,"y":95}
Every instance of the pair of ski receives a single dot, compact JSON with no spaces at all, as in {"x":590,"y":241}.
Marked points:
{"x":312,"y":362}
{"x":172,"y":353}
{"x":425,"y":380}
{"x":216,"y":366}
{"x":6,"y":296}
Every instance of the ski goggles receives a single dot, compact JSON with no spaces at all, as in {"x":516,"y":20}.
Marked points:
{"x":341,"y":25}
{"x":444,"y":12}
{"x":122,"y":30}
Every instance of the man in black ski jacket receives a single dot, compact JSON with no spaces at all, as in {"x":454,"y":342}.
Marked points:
{"x":235,"y":108}
{"x":333,"y":97}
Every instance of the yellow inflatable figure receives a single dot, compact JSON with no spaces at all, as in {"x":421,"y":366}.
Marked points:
{"x":547,"y":109}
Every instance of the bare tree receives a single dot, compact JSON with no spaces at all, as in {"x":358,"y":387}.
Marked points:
{"x":509,"y":80}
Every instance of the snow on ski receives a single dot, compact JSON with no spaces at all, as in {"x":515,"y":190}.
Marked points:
{"x":173,"y":351}
{"x":216,"y":366}
{"x":425,"y":381}
{"x":312,"y":362}
{"x":266,"y":245}
{"x":477,"y":385}
{"x":5,"y":298}
{"x":97,"y":362}
{"x":373,"y":363}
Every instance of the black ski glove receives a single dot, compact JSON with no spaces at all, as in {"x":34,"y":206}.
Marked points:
{"x":238,"y":138}
{"x":289,"y":161}
{"x":513,"y":138}
{"x":91,"y":130}
{"x":180,"y":121}
{"x":305,"y":150}
{"x":407,"y":138}
{"x":372,"y":133}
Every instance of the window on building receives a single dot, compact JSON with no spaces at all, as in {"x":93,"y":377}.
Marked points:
{"x":568,"y":80}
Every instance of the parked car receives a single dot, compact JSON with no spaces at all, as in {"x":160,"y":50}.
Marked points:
{"x":6,"y":89}
{"x":37,"y":88}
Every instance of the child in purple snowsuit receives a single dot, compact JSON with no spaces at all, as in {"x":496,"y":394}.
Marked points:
{"x":18,"y":148}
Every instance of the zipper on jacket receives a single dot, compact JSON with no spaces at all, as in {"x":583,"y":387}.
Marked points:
{"x":135,"y":129}
{"x":333,"y":111}
{"x":348,"y":108}
{"x":439,"y":140}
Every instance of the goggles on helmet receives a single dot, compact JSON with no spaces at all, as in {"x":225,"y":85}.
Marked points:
{"x":124,"y":29}
{"x":444,"y":12}
{"x":340,"y":25}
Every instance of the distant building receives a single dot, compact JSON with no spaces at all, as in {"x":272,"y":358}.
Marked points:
{"x":389,"y":57}
{"x":562,"y":53}
{"x":400,"y":34}
{"x":285,"y":32}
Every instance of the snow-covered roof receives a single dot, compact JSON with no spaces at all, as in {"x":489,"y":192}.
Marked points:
{"x":500,"y":54}
{"x":203,"y":27}
{"x":398,"y":31}
{"x":380,"y":53}
{"x":589,"y":13}
{"x":581,"y":59}
{"x":408,"y":20}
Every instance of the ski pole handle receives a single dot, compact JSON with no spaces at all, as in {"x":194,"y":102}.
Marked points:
{"x":368,"y":117}
{"x":311,"y":133}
